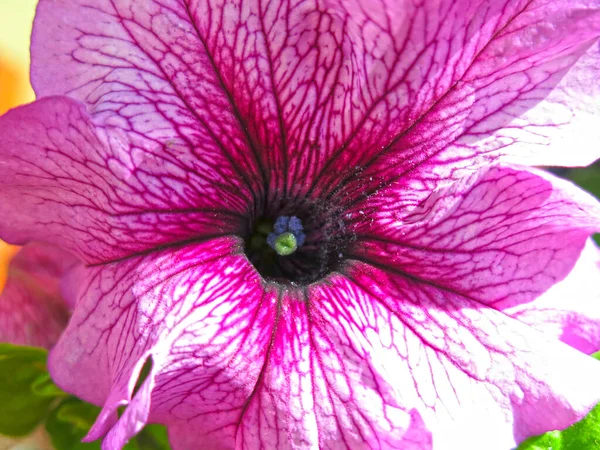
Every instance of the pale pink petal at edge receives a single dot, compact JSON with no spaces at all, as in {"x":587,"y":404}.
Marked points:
{"x":493,"y":241}
{"x":32,"y":309}
{"x":501,"y":237}
{"x":569,"y":310}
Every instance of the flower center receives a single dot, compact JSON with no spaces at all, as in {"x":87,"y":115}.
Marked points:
{"x":297,"y":248}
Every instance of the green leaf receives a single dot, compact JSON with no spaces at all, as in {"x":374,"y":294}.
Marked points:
{"x":69,"y":422}
{"x":153,"y":437}
{"x":585,"y":434}
{"x":549,"y":441}
{"x":28,"y":396}
{"x":587,"y":177}
{"x":78,"y":413}
{"x":22,"y":378}
{"x":73,"y":418}
{"x":43,"y":386}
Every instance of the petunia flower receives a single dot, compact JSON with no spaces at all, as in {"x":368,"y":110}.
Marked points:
{"x":32,"y":309}
{"x":308,"y":219}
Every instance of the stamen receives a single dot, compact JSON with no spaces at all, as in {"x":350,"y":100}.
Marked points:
{"x":285,"y":244}
{"x":287,"y":235}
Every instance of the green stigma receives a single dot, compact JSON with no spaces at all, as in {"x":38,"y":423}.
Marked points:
{"x":285,"y":244}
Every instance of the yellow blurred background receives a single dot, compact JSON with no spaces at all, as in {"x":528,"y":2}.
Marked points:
{"x":16,"y":17}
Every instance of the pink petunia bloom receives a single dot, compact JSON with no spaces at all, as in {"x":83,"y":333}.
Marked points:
{"x":32,"y":309}
{"x":308,"y":216}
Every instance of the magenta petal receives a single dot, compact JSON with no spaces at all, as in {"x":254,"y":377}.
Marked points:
{"x":516,"y":81}
{"x":569,"y":310}
{"x":32,"y":310}
{"x":501,"y":237}
{"x":478,"y":378}
{"x":304,"y":95}
{"x":199,"y":312}
{"x":216,"y":74}
{"x":316,"y":390}
{"x":234,"y":364}
{"x":135,"y":417}
{"x":322,"y":389}
{"x":99,"y":193}
{"x":141,"y":67}
{"x":392,"y":363}
{"x":203,"y":115}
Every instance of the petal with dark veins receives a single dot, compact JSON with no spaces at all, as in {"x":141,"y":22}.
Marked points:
{"x":501,"y":237}
{"x":323,"y":384}
{"x":308,"y":96}
{"x":235,"y":363}
{"x":260,"y":101}
{"x":32,"y":309}
{"x":250,"y":75}
{"x":200,"y":313}
{"x":527,"y":95}
{"x":353,"y":362}
{"x":97,"y":193}
{"x":569,"y":310}
{"x":478,"y":378}
{"x":141,"y":68}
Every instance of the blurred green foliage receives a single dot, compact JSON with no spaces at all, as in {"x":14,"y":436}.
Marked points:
{"x":25,"y":395}
{"x":29,"y":398}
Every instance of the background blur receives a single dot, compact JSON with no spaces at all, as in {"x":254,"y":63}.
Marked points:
{"x":16,"y":17}
{"x":15,"y":28}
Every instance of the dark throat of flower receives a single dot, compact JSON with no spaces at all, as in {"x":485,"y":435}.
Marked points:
{"x":297,"y":246}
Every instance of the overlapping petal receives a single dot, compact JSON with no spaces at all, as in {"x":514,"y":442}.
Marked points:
{"x":318,"y":388}
{"x":157,"y":306}
{"x":100,"y":193}
{"x":32,"y":309}
{"x":141,"y":67}
{"x":310,"y":95}
{"x":208,"y":64}
{"x":569,"y":310}
{"x":500,"y":237}
{"x":494,"y":241}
